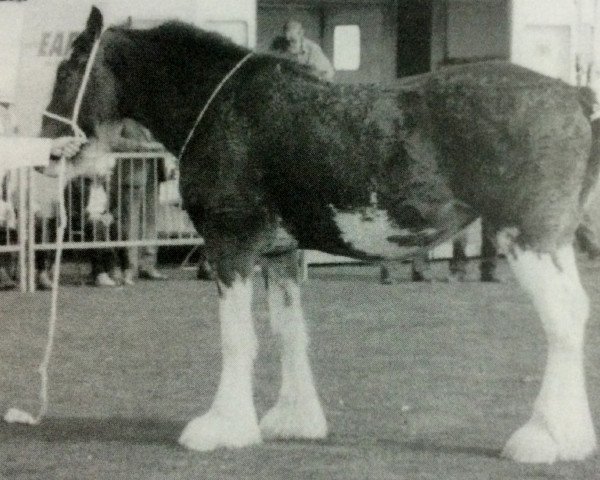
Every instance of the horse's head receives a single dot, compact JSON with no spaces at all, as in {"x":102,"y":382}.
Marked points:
{"x":98,"y":102}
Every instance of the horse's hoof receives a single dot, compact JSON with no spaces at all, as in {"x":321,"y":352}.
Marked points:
{"x":213,"y":431}
{"x":533,"y":443}
{"x":294,"y":422}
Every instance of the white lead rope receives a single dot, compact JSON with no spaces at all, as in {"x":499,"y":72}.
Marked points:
{"x":15,"y":415}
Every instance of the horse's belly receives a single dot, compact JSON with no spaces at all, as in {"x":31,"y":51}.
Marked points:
{"x":372,"y":233}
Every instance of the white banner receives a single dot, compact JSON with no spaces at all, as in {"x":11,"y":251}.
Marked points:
{"x":11,"y":24}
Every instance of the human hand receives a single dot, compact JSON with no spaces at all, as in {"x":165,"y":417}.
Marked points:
{"x":151,"y":147}
{"x":66,"y":147}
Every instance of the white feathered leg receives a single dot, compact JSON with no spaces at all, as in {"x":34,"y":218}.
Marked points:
{"x":298,"y":412}
{"x":231,"y":420}
{"x":561,"y":426}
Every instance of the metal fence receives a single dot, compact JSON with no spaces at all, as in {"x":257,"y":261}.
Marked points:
{"x":134,"y":206}
{"x":13,"y":226}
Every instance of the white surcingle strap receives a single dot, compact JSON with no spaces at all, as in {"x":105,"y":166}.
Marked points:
{"x":210,"y":100}
{"x":596,"y":113}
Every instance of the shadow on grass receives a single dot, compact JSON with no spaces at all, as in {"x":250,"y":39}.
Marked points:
{"x":417,"y":445}
{"x":146,"y":431}
{"x":143,"y":431}
{"x":431,"y":446}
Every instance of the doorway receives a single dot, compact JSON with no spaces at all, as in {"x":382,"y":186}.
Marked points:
{"x":414,"y":37}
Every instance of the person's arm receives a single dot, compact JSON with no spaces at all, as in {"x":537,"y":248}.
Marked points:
{"x":320,"y":63}
{"x":17,"y":152}
{"x":133,"y":137}
{"x":66,"y":147}
{"x":121,"y":144}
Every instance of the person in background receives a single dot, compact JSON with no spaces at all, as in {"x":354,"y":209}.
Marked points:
{"x":53,"y":149}
{"x":87,"y":211}
{"x":586,"y":238}
{"x":136,"y":183}
{"x":488,"y":258}
{"x":7,"y":233}
{"x":67,"y":147}
{"x":7,"y":211}
{"x":420,"y":271}
{"x":294,"y":44}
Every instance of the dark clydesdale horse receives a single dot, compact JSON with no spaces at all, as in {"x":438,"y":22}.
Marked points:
{"x":280,"y":148}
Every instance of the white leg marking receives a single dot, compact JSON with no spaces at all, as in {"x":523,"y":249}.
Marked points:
{"x":298,"y":412}
{"x":561,"y":426}
{"x":231,"y":420}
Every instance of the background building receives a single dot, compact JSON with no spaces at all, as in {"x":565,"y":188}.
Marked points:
{"x":377,"y":41}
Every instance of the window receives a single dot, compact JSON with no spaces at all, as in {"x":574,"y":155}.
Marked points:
{"x":346,"y":47}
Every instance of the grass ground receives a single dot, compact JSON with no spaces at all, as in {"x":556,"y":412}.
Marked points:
{"x":417,"y":381}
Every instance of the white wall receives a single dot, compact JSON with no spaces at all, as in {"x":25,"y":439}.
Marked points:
{"x":230,"y":17}
{"x":548,"y":36}
{"x":11,"y":24}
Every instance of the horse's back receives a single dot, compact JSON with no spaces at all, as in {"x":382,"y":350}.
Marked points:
{"x":516,"y":143}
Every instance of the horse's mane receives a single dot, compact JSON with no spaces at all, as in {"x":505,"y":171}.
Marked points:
{"x":192,"y":42}
{"x":176,"y":32}
{"x":177,"y":38}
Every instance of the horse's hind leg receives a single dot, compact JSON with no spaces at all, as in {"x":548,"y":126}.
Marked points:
{"x":231,"y":420}
{"x":561,"y":426}
{"x":298,"y":412}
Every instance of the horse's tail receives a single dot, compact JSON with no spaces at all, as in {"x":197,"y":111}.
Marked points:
{"x":591,"y":108}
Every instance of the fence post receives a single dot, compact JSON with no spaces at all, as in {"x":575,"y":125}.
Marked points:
{"x":29,"y":236}
{"x":22,"y":227}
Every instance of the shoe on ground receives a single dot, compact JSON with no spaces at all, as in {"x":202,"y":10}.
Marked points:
{"x":385,"y":277}
{"x":420,"y":277}
{"x":104,"y":280}
{"x":128,"y":278}
{"x":489,"y":278}
{"x":205,"y":272}
{"x":6,"y":282}
{"x":457,"y":277}
{"x":44,"y":282}
{"x":152,"y":274}
{"x":117,"y":275}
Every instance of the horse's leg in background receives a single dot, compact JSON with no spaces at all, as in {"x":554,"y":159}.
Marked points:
{"x":561,"y":426}
{"x":231,"y":420}
{"x":298,"y":412}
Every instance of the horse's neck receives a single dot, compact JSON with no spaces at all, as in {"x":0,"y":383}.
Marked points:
{"x":167,"y":103}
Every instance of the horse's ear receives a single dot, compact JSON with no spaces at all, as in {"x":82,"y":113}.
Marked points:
{"x":95,"y":22}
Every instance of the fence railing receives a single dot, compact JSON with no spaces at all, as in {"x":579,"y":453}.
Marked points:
{"x":13,"y":227}
{"x":136,"y":205}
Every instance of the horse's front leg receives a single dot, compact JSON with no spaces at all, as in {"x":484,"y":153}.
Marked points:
{"x":298,"y":412}
{"x":231,"y":421}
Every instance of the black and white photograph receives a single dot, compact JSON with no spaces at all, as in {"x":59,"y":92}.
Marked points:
{"x":299,"y":239}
